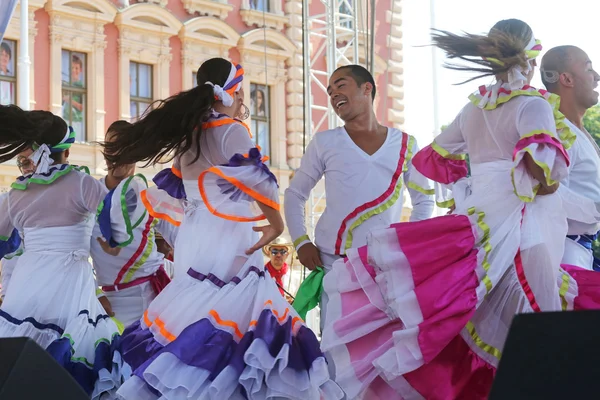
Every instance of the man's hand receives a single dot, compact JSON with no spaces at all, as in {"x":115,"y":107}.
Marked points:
{"x":107,"y":306}
{"x":542,"y":191}
{"x":309,"y":256}
{"x":113,"y":251}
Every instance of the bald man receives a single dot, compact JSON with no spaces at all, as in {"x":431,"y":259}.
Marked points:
{"x":567,"y":71}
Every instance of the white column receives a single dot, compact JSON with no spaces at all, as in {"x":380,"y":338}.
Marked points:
{"x":24,"y":63}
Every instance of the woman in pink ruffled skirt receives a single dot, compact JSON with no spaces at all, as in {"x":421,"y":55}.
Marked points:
{"x":424,"y":309}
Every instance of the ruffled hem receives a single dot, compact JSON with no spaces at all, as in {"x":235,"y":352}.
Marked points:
{"x":439,"y":165}
{"x":100,"y":377}
{"x":567,"y":137}
{"x":408,"y":320}
{"x":274,"y":354}
{"x":170,"y":180}
{"x":56,"y":171}
{"x":87,"y":348}
{"x":161,"y":205}
{"x":548,"y":153}
{"x":244,"y":180}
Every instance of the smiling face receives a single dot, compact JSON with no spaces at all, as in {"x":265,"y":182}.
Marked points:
{"x":347,"y":97}
{"x":585,"y":78}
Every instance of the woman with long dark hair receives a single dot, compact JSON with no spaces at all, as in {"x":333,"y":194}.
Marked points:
{"x":220,"y":329}
{"x":51,"y":296}
{"x":424,"y":309}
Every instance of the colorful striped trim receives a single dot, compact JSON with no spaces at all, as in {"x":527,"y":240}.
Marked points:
{"x":299,"y":240}
{"x":446,"y":154}
{"x":155,"y":214}
{"x":491,"y":350}
{"x":564,"y":287}
{"x":485,"y":244}
{"x":138,"y":252}
{"x":374,"y":203}
{"x":229,"y":325}
{"x":445,"y":204}
{"x":225,"y":121}
{"x":56,"y":172}
{"x":253,"y":194}
{"x":149,"y":247}
{"x":414,"y":186}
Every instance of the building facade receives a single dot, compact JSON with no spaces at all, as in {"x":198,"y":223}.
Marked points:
{"x":98,"y":61}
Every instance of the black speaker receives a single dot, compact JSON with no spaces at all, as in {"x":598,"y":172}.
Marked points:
{"x":550,"y":356}
{"x":28,"y":372}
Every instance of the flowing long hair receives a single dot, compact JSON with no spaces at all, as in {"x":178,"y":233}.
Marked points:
{"x":173,"y":126}
{"x":493,"y":54}
{"x":20,"y":130}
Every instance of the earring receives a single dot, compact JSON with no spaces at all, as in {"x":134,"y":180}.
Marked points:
{"x":244,"y":112}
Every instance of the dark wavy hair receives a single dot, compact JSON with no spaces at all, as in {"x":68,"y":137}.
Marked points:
{"x":172,"y":126}
{"x":20,"y":130}
{"x":505,"y":42}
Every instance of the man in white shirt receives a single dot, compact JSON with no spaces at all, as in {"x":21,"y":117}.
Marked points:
{"x":364,"y":164}
{"x":567,"y":71}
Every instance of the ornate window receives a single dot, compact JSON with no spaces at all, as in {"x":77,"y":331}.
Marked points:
{"x":74,"y":92}
{"x":265,"y":55}
{"x":144,"y":34}
{"x":203,"y":38}
{"x":260,"y":110}
{"x":77,"y":43}
{"x":266,"y":13}
{"x":140,"y":89}
{"x":8,"y":72}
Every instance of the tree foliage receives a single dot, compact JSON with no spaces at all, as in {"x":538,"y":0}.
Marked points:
{"x":591,"y":122}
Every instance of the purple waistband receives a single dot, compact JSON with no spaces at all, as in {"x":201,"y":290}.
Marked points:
{"x":220,"y":283}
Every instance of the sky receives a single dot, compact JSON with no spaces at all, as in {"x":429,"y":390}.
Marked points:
{"x":553,"y":22}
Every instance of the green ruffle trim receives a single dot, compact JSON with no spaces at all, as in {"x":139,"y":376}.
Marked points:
{"x":566,"y":136}
{"x":56,"y":172}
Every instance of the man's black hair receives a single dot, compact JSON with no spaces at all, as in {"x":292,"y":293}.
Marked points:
{"x":360,"y":75}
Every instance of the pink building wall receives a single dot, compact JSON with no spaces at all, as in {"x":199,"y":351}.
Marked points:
{"x":234,"y":19}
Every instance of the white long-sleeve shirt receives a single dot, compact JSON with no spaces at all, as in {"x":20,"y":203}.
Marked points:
{"x":584,"y":176}
{"x":363,"y":191}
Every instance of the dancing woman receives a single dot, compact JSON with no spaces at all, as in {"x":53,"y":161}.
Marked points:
{"x":130,"y":279}
{"x":220,"y":329}
{"x":51,"y":297}
{"x":423,"y":310}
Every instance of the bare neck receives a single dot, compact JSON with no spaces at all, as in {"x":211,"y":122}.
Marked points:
{"x":573,"y":111}
{"x":366,"y":124}
{"x":221,"y":109}
{"x":112,"y":181}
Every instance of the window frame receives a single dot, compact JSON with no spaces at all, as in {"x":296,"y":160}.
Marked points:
{"x":70,"y":89}
{"x":138,"y":99}
{"x":256,"y":119}
{"x":12,"y":80}
{"x":267,"y":2}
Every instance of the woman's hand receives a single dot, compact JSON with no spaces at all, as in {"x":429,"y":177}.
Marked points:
{"x":106,"y":305}
{"x":545,"y":190}
{"x":269,"y":233}
{"x":113,"y":251}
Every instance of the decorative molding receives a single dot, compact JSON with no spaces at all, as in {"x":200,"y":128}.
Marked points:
{"x":145,"y":31}
{"x":260,"y":48}
{"x":162,"y":3}
{"x":395,"y":89}
{"x":213,"y":8}
{"x":203,"y":38}
{"x":79,"y":26}
{"x":294,"y":88}
{"x":275,"y":18}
